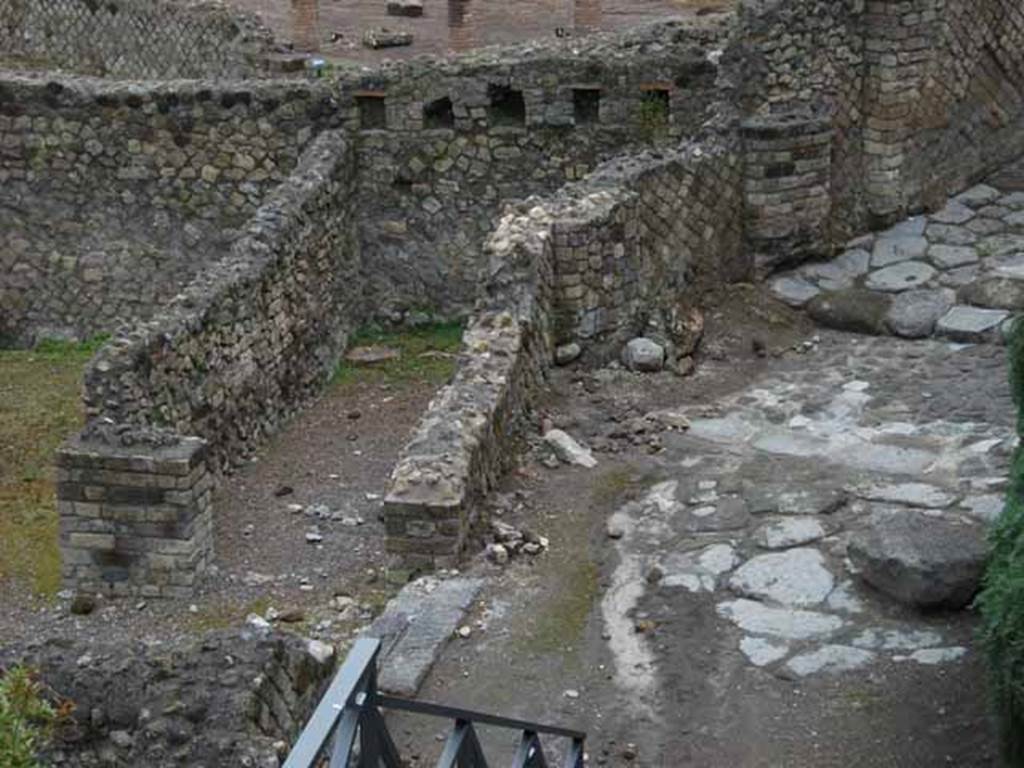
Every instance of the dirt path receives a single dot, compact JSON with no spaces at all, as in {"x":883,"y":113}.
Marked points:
{"x":643,"y":624}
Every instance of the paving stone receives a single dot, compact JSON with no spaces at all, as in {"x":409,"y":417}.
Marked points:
{"x":726,"y":514}
{"x":1001,"y":245}
{"x":699,"y":571}
{"x":840,"y":273}
{"x":1013,"y":200}
{"x":797,"y":577}
{"x":954,"y":212}
{"x":789,"y":532}
{"x":934,"y":656}
{"x":978,"y":195}
{"x":969,"y":324}
{"x":951,"y":234}
{"x":913,"y":314}
{"x":1008,"y":265}
{"x":891,"y":250}
{"x":794,"y":291}
{"x":761,"y":652}
{"x":983,"y":226}
{"x":830,"y":659}
{"x":995,"y":293}
{"x":920,"y":560}
{"x":911,"y":227}
{"x":900,"y":277}
{"x":923,"y":495}
{"x":844,"y":600}
{"x":1015,"y":219}
{"x":950,"y":256}
{"x":787,"y":623}
{"x":415,"y":626}
{"x":897,"y":639}
{"x":955,"y":278}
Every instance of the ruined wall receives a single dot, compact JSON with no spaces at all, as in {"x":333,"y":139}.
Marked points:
{"x":114,"y":195}
{"x":132,"y":39}
{"x":596,"y":262}
{"x":442,"y":145}
{"x":258,"y":332}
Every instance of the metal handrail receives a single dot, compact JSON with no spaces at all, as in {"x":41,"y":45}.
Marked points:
{"x":350,"y":712}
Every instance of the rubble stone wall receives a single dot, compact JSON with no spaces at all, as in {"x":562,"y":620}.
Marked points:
{"x":258,"y":332}
{"x":595,"y":263}
{"x":132,"y":39}
{"x":114,"y":195}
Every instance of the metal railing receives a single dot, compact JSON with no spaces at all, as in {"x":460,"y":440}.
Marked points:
{"x":347,"y":730}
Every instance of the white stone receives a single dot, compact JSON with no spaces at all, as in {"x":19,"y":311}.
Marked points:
{"x":842,"y":599}
{"x":789,"y":532}
{"x":897,"y":639}
{"x":900,"y":277}
{"x":794,"y":577}
{"x":932,"y":656}
{"x":568,"y":450}
{"x":321,"y":652}
{"x":891,"y":250}
{"x":794,"y":291}
{"x":963,"y":323}
{"x":718,"y":559}
{"x":642,"y":354}
{"x":761,"y":652}
{"x":911,"y":494}
{"x":950,"y":256}
{"x":831,"y":659}
{"x":986,"y":508}
{"x":788,"y":623}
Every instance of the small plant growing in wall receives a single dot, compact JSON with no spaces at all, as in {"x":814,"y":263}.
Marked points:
{"x":653,"y":113}
{"x":25,"y":718}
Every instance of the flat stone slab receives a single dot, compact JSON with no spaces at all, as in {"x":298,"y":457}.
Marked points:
{"x":372,"y":355}
{"x":1009,"y":265}
{"x":789,"y":532}
{"x":922,"y":495}
{"x":969,"y":323}
{"x":914,"y":314}
{"x":995,"y":293}
{"x":894,"y":249}
{"x":568,"y":450}
{"x":796,"y":577}
{"x":951,"y":234}
{"x":786,"y":623}
{"x":900,"y":277}
{"x":415,"y":626}
{"x":979,"y":195}
{"x":794,"y":291}
{"x":920,"y":560}
{"x":833,"y":659}
{"x":699,"y":571}
{"x":954,"y":212}
{"x":950,"y":256}
{"x":897,"y":639}
{"x":1002,"y":245}
{"x":761,"y":652}
{"x":839,"y":273}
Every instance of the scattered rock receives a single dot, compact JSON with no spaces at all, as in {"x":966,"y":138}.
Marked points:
{"x":283,"y":490}
{"x":568,"y":450}
{"x":642,"y":354}
{"x":567,"y":353}
{"x":497,"y":554}
{"x":933,"y":656}
{"x":920,"y":560}
{"x":82,"y":604}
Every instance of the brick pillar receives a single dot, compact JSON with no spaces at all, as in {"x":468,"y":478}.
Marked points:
{"x":134,"y":519}
{"x":306,"y":25}
{"x":587,"y":15}
{"x":787,"y":188}
{"x":461,"y":33}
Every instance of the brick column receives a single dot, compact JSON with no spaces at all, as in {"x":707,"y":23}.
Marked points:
{"x":134,"y":519}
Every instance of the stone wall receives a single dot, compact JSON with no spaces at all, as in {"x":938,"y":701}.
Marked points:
{"x":114,"y":195}
{"x":594,"y":263}
{"x":442,"y":145}
{"x":132,"y":39}
{"x":232,"y":698}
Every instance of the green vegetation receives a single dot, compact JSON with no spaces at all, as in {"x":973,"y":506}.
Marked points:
{"x":1002,"y":599}
{"x":426,"y":355}
{"x":25,"y":719}
{"x":39,"y":407}
{"x":652,"y":116}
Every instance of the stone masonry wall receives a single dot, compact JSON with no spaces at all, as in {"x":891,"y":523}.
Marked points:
{"x":132,"y":39}
{"x":114,"y":195}
{"x":442,"y":145}
{"x":638,"y":238}
{"x":257,"y":333}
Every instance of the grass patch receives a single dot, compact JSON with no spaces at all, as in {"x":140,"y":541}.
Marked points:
{"x":25,"y":719}
{"x":561,"y":621}
{"x":40,"y":405}
{"x":427,"y":355}
{"x":1002,"y":600}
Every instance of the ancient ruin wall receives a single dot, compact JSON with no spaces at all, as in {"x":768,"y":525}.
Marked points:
{"x":594,"y":263}
{"x":114,"y":195}
{"x":132,"y":39}
{"x":443,"y":145}
{"x":257,"y":333}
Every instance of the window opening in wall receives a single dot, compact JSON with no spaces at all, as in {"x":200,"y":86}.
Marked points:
{"x":507,"y":105}
{"x":439,"y":114}
{"x":654,"y":110}
{"x":586,"y":105}
{"x":372,"y":110}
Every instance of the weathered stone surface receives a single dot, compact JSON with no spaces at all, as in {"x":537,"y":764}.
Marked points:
{"x":789,"y":532}
{"x":950,"y":256}
{"x":891,"y":250}
{"x":568,"y":450}
{"x":955,"y":212}
{"x":794,"y":291}
{"x":643,"y":354}
{"x":796,"y":577}
{"x":567,"y":353}
{"x":920,"y":560}
{"x":914,"y":494}
{"x":913,"y":314}
{"x":900,"y":277}
{"x":978,"y":196}
{"x":761,"y":652}
{"x":405,"y":8}
{"x":969,"y":323}
{"x":831,"y":659}
{"x":995,"y":293}
{"x":855,"y":310}
{"x":786,"y":623}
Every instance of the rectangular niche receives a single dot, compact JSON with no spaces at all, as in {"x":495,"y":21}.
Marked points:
{"x":507,"y":106}
{"x":439,"y":114}
{"x":373,"y":113}
{"x":586,"y":105}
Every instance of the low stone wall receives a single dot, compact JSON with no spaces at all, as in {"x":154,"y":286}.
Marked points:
{"x":636,"y":237}
{"x":114,"y":195}
{"x":133,"y":39}
{"x":240,"y":349}
{"x":442,"y":145}
{"x":229,"y":698}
